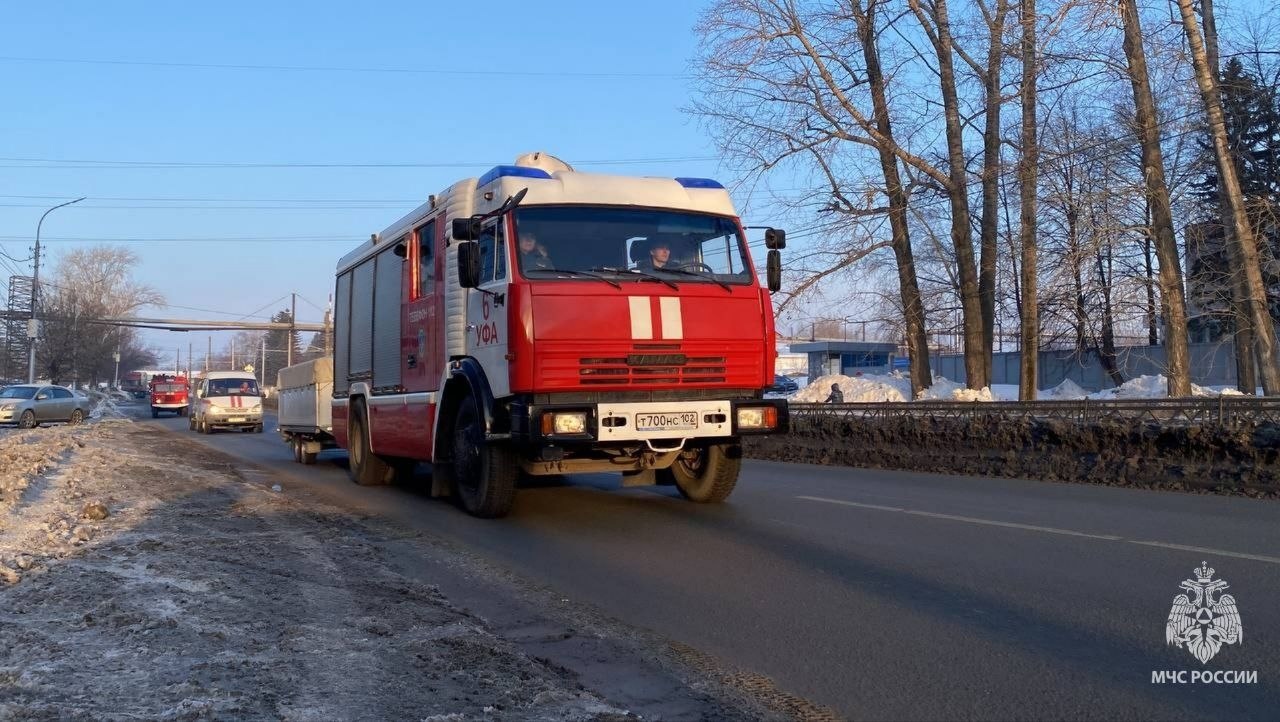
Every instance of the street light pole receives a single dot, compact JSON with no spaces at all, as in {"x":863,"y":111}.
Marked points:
{"x":35,"y":297}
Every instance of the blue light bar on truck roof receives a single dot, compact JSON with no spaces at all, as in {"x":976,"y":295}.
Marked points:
{"x":699,"y":183}
{"x":519,"y":171}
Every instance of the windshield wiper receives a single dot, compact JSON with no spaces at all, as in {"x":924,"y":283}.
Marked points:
{"x":637,"y":272}
{"x":698,"y":274}
{"x":584,"y":274}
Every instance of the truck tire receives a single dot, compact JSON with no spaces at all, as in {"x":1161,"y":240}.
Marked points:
{"x":705,"y":475}
{"x":296,"y":444}
{"x":191,"y":423}
{"x":485,"y":473}
{"x":155,"y":413}
{"x":364,"y":467}
{"x":308,"y":457}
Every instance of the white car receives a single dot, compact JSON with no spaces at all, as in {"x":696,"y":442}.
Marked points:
{"x":227,"y":400}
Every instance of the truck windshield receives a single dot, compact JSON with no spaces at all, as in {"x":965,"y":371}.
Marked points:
{"x":558,"y":242}
{"x":169,"y":388}
{"x":233,"y":387}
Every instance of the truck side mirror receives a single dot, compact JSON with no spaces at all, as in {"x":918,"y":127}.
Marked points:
{"x":775,"y":239}
{"x":774,"y":271}
{"x":469,"y":264}
{"x":466,"y":229}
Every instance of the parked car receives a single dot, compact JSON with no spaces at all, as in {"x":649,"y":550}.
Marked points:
{"x":29,"y":405}
{"x":783,"y":385}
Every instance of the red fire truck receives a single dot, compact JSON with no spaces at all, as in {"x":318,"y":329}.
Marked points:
{"x":168,"y":393}
{"x":547,"y":321}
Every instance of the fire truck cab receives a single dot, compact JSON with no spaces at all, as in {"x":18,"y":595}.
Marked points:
{"x":168,"y":393}
{"x":541,"y":320}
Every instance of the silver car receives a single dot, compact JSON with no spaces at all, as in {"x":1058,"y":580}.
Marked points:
{"x":29,"y":405}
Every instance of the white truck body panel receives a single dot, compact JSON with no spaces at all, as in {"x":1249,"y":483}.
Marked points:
{"x":306,"y":396}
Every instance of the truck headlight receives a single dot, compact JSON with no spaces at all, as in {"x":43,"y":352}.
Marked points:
{"x":757,"y":417}
{"x":564,"y":422}
{"x":257,"y":409}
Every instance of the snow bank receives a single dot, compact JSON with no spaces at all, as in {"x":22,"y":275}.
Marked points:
{"x":855,"y":388}
{"x":896,"y":387}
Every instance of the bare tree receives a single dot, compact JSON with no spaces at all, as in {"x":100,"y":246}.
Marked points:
{"x":1028,"y":181}
{"x":1172,"y":301}
{"x":936,"y":23}
{"x":90,"y":284}
{"x":780,"y":94}
{"x":1240,"y":231}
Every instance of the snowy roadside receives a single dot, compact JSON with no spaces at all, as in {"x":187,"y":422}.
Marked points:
{"x":896,"y":387}
{"x":180,"y":587}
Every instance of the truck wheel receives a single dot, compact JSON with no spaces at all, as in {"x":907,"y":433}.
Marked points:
{"x":365,"y":468}
{"x":308,"y":457}
{"x":257,"y":429}
{"x":182,"y":411}
{"x":705,"y":475}
{"x":77,"y":417}
{"x":155,"y":413}
{"x":204,"y":427}
{"x":296,"y":444}
{"x":485,"y":473}
{"x":191,"y":423}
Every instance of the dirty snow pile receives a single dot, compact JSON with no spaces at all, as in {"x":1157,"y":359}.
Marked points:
{"x":897,"y":387}
{"x":145,"y":580}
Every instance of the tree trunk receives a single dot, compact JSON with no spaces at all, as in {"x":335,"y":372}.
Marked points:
{"x":1264,"y":332}
{"x":990,"y":183}
{"x":1246,"y":376}
{"x":908,"y":285}
{"x":1028,"y":177}
{"x":1172,"y":301}
{"x":1153,"y":317}
{"x":1107,"y":354}
{"x":961,"y":228}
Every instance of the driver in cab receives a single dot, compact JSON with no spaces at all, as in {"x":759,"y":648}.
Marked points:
{"x":659,"y":256}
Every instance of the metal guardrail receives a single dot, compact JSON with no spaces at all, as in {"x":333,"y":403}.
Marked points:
{"x":1221,"y":410}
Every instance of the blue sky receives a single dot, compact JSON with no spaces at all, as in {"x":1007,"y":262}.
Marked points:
{"x":527,"y":80}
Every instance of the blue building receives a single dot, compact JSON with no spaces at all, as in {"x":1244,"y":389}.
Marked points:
{"x":847,"y":357}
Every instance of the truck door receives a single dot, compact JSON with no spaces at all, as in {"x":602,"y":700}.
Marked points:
{"x":487,"y":331}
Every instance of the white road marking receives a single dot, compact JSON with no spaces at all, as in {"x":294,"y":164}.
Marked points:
{"x":852,"y":503}
{"x":1206,"y":550}
{"x":1044,"y":529}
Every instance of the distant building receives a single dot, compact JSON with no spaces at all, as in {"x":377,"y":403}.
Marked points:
{"x":1210,"y":318}
{"x":847,"y":357}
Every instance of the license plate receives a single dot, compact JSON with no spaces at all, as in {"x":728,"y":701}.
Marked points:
{"x":235,"y":419}
{"x":677,"y":421}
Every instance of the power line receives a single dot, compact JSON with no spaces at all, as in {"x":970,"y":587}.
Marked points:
{"x":82,"y":163}
{"x":351,"y":69}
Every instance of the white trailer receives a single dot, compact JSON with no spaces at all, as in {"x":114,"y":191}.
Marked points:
{"x":305,"y":416}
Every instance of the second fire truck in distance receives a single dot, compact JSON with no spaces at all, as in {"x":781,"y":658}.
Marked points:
{"x":168,"y":393}
{"x":547,"y":321}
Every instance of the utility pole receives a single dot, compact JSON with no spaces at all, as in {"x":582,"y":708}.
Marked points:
{"x":115,"y":382}
{"x":264,"y":360}
{"x":33,"y":329}
{"x":208,"y":356}
{"x":293,"y":319}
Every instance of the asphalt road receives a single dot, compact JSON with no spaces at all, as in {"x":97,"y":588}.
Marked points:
{"x":888,"y":595}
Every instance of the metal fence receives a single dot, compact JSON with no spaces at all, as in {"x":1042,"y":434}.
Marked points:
{"x":1221,"y":410}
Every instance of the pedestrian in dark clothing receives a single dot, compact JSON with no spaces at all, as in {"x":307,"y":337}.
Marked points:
{"x":837,"y":396}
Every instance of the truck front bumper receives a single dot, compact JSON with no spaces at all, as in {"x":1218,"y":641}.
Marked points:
{"x":659,"y":425}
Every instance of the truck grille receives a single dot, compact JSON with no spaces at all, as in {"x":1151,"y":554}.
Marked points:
{"x":651,"y":364}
